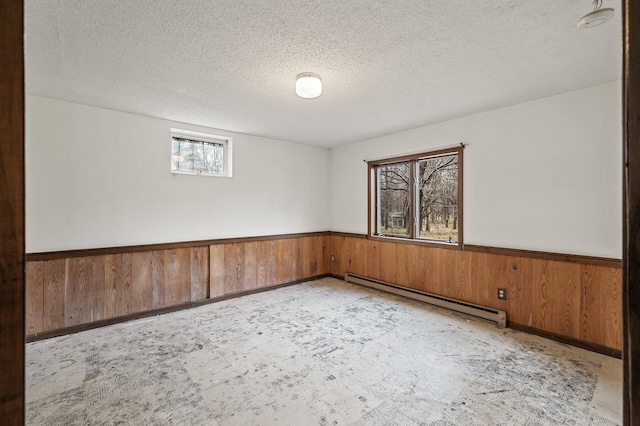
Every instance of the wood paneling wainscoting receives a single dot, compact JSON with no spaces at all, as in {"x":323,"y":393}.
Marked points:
{"x":578,"y":298}
{"x":80,"y":290}
{"x":246,"y":266}
{"x":74,"y":288}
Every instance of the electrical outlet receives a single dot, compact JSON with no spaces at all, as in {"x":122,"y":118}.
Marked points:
{"x":502,"y":293}
{"x":333,"y":258}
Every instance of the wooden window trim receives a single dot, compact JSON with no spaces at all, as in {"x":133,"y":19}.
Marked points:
{"x":372,"y":200}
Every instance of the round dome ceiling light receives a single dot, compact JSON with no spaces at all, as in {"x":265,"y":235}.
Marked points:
{"x":597,"y":17}
{"x":308,"y":85}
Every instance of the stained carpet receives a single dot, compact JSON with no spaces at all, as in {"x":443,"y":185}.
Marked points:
{"x":319,"y":353}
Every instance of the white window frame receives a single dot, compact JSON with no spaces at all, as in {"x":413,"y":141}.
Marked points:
{"x":225,"y":141}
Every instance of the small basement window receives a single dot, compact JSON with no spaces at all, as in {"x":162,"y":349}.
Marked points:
{"x":197,"y":153}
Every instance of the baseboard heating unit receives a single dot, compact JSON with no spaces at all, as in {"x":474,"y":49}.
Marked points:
{"x":494,"y":315}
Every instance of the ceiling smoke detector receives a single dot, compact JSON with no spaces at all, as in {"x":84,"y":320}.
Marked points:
{"x":597,"y":17}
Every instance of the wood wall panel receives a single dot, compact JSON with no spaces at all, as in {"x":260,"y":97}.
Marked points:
{"x":127,"y":271}
{"x":565,"y":301}
{"x":588,"y":327}
{"x":34,"y":297}
{"x":216,"y":270}
{"x":266,"y":264}
{"x":306,"y":251}
{"x":316,"y":257}
{"x":78,"y":291}
{"x":113,"y":285}
{"x":199,"y":273}
{"x":613,"y":306}
{"x":141,"y":281}
{"x":177,"y":276}
{"x":233,"y":268}
{"x":573,"y":299}
{"x":245,"y":266}
{"x":53,"y":271}
{"x":157,"y":279}
{"x":373,"y":259}
{"x":250,"y":267}
{"x":326,"y":254}
{"x":386,"y":261}
{"x":336,"y":257}
{"x":98,"y":289}
{"x":285,"y":262}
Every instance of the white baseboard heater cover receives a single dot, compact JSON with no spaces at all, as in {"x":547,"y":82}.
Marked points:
{"x":494,"y":315}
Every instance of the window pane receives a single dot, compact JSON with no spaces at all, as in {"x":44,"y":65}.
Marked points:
{"x":213,"y":153}
{"x":182,"y":158}
{"x":194,"y":156}
{"x":394,"y":199}
{"x":438,"y":198}
{"x":198,"y":155}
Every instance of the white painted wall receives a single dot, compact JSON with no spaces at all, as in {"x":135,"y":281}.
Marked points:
{"x":542,"y":175}
{"x":101,"y":178}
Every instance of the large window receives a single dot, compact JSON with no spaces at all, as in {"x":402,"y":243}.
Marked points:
{"x":418,"y":197}
{"x":199,"y":153}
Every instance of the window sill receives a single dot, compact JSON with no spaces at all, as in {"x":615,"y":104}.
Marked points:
{"x":199,"y":174}
{"x":413,"y":242}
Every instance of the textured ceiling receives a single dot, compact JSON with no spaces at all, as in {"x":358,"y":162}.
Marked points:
{"x":386,"y":65}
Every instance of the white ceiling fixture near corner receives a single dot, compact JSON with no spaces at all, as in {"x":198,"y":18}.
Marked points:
{"x":391,"y":65}
{"x":596,"y":17}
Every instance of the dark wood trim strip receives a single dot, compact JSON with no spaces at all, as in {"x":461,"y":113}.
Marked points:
{"x":461,"y":198}
{"x":138,"y":315}
{"x":418,"y":156}
{"x":631,"y":212}
{"x":31,"y":257}
{"x":346,"y":234}
{"x":370,"y":230}
{"x":594,"y":347}
{"x":557,"y":257}
{"x":12,"y":267}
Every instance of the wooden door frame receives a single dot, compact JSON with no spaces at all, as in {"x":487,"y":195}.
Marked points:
{"x":631,"y":212}
{"x":12,"y":313}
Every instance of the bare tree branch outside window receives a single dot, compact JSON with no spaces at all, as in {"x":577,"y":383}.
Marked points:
{"x":418,"y":197}
{"x":198,"y":157}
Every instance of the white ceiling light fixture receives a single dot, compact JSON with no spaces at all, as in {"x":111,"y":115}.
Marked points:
{"x":308,"y":85}
{"x":597,"y":17}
